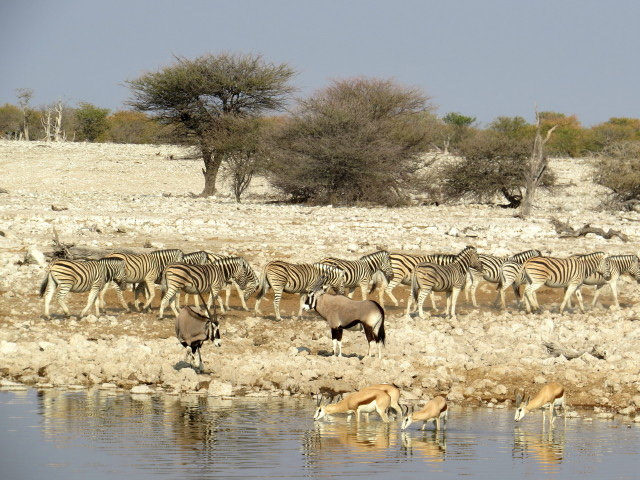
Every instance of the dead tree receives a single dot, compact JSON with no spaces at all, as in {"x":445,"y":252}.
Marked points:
{"x":565,"y":230}
{"x":537,"y":166}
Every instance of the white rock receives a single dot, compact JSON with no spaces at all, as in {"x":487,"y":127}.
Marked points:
{"x":142,"y":390}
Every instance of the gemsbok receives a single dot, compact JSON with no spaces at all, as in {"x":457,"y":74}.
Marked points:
{"x":550,"y":396}
{"x":341,"y":312}
{"x":363,"y":401}
{"x":435,"y":411}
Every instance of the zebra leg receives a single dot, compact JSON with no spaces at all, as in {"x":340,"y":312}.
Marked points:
{"x":530,"y":302}
{"x":240,"y":294}
{"x":168,"y":298}
{"x":433,"y":301}
{"x":614,"y":291}
{"x":454,"y":298}
{"x":421,"y":296}
{"x":277,"y":294}
{"x":93,"y":299}
{"x":303,"y":298}
{"x":570,"y":291}
{"x":149,"y":282}
{"x":51,"y":290}
{"x":118,"y":293}
{"x":389,"y":291}
{"x":64,"y":290}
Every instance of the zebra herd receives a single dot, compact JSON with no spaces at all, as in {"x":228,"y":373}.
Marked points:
{"x":204,"y":272}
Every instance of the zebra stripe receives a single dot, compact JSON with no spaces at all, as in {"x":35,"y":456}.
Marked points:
{"x":359,"y":273}
{"x":296,"y":278}
{"x":567,"y":273}
{"x":197,"y":279}
{"x":450,"y":278}
{"x":146,"y":268}
{"x":80,"y":276}
{"x":204,"y":257}
{"x":511,"y":274}
{"x":492,"y":266}
{"x":618,"y":265}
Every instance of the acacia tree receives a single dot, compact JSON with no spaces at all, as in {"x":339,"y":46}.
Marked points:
{"x":355,"y":140}
{"x":196,"y":96}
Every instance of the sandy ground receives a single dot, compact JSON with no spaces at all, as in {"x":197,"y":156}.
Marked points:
{"x":116,"y":197}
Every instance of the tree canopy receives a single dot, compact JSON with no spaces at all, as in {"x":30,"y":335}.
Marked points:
{"x":356,"y":140}
{"x":196,"y":95}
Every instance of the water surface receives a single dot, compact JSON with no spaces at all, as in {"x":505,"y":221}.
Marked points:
{"x":54,"y":434}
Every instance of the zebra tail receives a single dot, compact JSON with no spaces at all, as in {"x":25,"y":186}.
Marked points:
{"x":262,"y":287}
{"x":414,"y":287}
{"x":163,"y":283}
{"x":43,"y":285}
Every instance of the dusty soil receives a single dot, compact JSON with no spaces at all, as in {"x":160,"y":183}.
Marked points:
{"x":114,"y":197}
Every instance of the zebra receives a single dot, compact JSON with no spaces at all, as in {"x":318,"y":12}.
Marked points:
{"x":618,"y":265}
{"x":211,"y":278}
{"x":359,"y":273}
{"x":296,"y":278}
{"x":80,"y":276}
{"x":430,"y":277}
{"x":146,"y":268}
{"x":569,"y":273}
{"x":204,"y":257}
{"x":492,"y":267}
{"x":511,"y":275}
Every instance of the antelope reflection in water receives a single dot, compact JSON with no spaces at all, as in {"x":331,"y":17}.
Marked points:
{"x":546,"y":448}
{"x":431,"y":445}
{"x":329,"y":443}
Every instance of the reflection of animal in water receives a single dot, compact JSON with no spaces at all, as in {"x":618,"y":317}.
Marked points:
{"x":363,"y":401}
{"x":431,"y":445}
{"x":326,"y":441}
{"x":547,"y":448}
{"x":550,"y":396}
{"x":435,"y":410}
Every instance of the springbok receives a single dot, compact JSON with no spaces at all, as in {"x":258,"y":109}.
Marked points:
{"x":392,"y":391}
{"x":341,"y":312}
{"x":435,"y":410}
{"x":550,"y":395}
{"x":363,"y":401}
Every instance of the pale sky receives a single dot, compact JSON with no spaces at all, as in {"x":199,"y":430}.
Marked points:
{"x":480,"y":58}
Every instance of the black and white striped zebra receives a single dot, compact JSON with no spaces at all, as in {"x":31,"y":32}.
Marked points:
{"x":146,"y":269}
{"x":296,"y":278}
{"x":618,"y":265}
{"x":492,"y":268}
{"x":359,"y":273}
{"x":81,"y":276}
{"x":204,"y":257}
{"x":568,"y":273}
{"x":450,"y":278}
{"x":199,"y":279}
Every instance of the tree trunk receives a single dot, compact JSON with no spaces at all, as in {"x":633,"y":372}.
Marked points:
{"x":537,"y":165}
{"x":210,"y":171}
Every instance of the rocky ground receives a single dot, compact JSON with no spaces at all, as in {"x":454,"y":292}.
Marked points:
{"x":114,"y":197}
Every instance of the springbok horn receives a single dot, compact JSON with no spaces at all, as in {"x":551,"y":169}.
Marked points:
{"x":319,"y":399}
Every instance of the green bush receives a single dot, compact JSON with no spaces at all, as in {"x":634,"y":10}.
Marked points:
{"x":618,"y":168}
